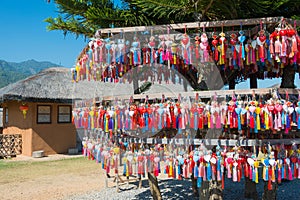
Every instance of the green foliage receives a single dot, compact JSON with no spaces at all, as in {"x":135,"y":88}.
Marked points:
{"x":11,"y":72}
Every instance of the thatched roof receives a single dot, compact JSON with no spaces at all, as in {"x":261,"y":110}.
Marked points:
{"x":55,"y":85}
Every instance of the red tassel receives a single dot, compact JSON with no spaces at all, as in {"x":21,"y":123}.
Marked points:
{"x":197,"y":52}
{"x":251,"y":121}
{"x":216,"y":54}
{"x":261,"y":52}
{"x":270,"y":179}
{"x":223,"y":181}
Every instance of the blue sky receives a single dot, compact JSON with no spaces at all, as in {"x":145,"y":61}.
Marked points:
{"x":24,"y":36}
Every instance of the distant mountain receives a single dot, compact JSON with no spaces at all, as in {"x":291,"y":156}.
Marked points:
{"x":11,"y":72}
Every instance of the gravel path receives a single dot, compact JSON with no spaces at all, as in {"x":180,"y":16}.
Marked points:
{"x":176,"y":189}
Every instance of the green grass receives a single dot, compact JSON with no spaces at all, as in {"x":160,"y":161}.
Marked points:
{"x":11,"y":171}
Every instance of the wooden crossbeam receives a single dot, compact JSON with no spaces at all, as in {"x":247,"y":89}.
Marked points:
{"x":207,"y":94}
{"x":202,"y":94}
{"x":211,"y":142}
{"x":191,"y":25}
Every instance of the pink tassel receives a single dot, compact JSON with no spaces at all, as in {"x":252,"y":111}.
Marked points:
{"x":219,"y":175}
{"x":234,"y":173}
{"x":200,"y":171}
{"x":298,"y":170}
{"x":218,"y":122}
{"x":294,"y":45}
{"x":279,"y":175}
{"x":283,"y":47}
{"x":277,"y":46}
{"x":228,"y":171}
{"x":275,"y":123}
{"x":250,"y":172}
{"x":290,"y":174}
{"x":108,"y":166}
{"x":271,"y":48}
{"x":279,"y":120}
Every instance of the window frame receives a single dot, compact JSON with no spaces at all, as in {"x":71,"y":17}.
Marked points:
{"x":44,"y":114}
{"x":69,"y":114}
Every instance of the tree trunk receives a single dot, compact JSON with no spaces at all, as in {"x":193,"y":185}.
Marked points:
{"x":288,"y":77}
{"x":211,"y":190}
{"x":253,"y":80}
{"x":231,"y":84}
{"x":250,"y":189}
{"x":135,"y":83}
{"x":153,"y":184}
{"x":194,"y":185}
{"x":270,"y":194}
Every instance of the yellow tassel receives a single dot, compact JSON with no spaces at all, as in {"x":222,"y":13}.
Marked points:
{"x":174,"y":58}
{"x":208,"y":119}
{"x":92,"y":120}
{"x":78,"y":72}
{"x":256,"y":54}
{"x":242,"y":119}
{"x":273,"y":174}
{"x":267,"y":121}
{"x":116,"y":122}
{"x":106,"y":125}
{"x":256,"y":164}
{"x":171,"y":170}
{"x":257,"y":122}
{"x":264,"y":172}
{"x":127,"y":171}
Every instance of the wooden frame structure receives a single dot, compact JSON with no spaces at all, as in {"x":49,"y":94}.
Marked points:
{"x":208,"y":24}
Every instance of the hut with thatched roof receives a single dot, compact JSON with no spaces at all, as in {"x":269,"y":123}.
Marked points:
{"x":40,"y":107}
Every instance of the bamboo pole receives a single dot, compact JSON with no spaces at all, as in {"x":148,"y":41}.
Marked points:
{"x":191,"y":25}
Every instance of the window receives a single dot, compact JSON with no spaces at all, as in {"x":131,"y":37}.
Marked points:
{"x":64,"y":114}
{"x":6,"y":115}
{"x":44,"y":114}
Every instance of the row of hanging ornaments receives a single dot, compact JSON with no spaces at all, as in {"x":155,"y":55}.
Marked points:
{"x":268,"y":163}
{"x":107,"y":59}
{"x":272,"y":114}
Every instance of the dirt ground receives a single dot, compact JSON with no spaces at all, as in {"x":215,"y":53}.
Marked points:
{"x":53,"y":177}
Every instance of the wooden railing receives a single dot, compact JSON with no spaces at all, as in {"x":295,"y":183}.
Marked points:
{"x":10,"y":145}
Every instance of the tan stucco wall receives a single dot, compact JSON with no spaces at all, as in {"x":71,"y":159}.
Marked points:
{"x":52,"y":138}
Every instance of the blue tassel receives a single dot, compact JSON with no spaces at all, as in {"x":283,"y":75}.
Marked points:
{"x":239,"y":122}
{"x":196,"y":171}
{"x":161,"y":61}
{"x":195,"y":121}
{"x":124,"y":169}
{"x":146,"y":122}
{"x":255,"y":124}
{"x":234,"y":62}
{"x":208,"y":175}
{"x":298,"y":122}
{"x":267,"y":174}
{"x":135,"y":57}
{"x":294,"y":117}
{"x":288,"y":123}
{"x":199,"y":182}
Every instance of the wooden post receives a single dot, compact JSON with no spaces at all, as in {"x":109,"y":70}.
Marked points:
{"x":117,"y":177}
{"x":250,"y":189}
{"x":153,"y":183}
{"x":140,"y":182}
{"x":253,"y":80}
{"x":270,"y":194}
{"x":106,"y":181}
